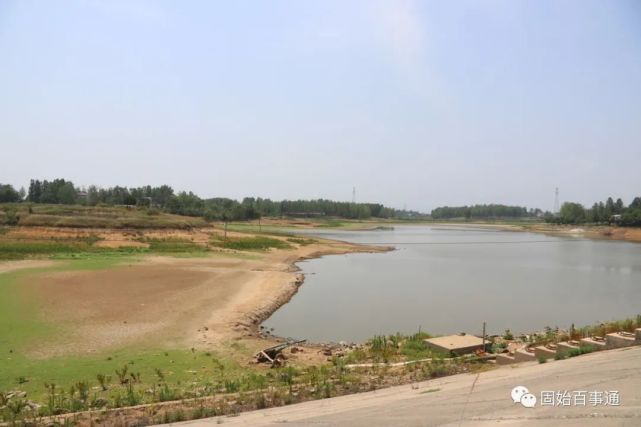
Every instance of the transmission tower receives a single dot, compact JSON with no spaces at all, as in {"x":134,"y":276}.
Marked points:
{"x":354,"y":195}
{"x":556,"y":201}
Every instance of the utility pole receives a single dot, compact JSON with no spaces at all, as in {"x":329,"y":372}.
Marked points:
{"x":484,"y":336}
{"x":557,"y":210}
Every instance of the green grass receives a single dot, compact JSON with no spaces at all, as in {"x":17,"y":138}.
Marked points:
{"x":14,"y":250}
{"x":180,"y":368}
{"x":414,"y":347}
{"x":256,"y":243}
{"x":84,"y":248}
{"x":174,"y":246}
{"x":18,"y":318}
{"x":19,"y":250}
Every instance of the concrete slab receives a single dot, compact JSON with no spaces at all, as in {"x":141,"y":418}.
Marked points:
{"x":566,"y":347}
{"x":619,"y":339}
{"x":523,"y":355}
{"x":504,"y":359}
{"x":459,"y":344}
{"x":544,"y":352}
{"x":594,"y":343}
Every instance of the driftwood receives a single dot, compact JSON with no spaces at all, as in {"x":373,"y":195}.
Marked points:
{"x":271,"y":354}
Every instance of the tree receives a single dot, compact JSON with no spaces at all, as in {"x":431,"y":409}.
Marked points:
{"x":618,"y":206}
{"x":35,"y":191}
{"x":572,"y":213}
{"x":8,"y":194}
{"x":609,"y":208}
{"x":631,"y":218}
{"x":66,"y":193}
{"x":593,"y":214}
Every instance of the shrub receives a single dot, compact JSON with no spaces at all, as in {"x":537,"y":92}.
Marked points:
{"x":415,"y":348}
{"x":103,"y":380}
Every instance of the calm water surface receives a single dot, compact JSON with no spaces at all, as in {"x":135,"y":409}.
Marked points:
{"x":451,"y":279}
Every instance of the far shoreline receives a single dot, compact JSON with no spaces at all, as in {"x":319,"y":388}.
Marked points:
{"x":594,"y":232}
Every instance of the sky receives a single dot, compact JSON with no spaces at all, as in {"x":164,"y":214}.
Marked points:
{"x":415,"y":104}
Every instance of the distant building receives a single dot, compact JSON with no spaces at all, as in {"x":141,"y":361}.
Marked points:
{"x":615,"y":219}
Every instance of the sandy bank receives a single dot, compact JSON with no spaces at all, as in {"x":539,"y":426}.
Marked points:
{"x":604,"y":232}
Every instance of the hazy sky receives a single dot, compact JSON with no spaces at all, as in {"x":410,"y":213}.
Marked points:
{"x":417,"y":104}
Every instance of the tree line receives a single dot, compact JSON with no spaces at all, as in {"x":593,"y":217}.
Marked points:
{"x":484,"y":212}
{"x":61,"y":191}
{"x":607,"y":212}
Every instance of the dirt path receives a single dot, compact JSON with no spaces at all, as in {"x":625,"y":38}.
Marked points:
{"x":7,"y":266}
{"x":165,"y":301}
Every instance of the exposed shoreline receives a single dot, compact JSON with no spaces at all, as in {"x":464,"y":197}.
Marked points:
{"x":255,"y":318}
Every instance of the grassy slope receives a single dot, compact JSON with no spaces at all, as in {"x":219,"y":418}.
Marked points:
{"x":94,"y":217}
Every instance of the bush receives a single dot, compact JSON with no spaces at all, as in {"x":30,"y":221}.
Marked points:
{"x":415,"y":348}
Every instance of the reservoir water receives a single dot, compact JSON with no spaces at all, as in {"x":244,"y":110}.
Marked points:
{"x":451,"y":279}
